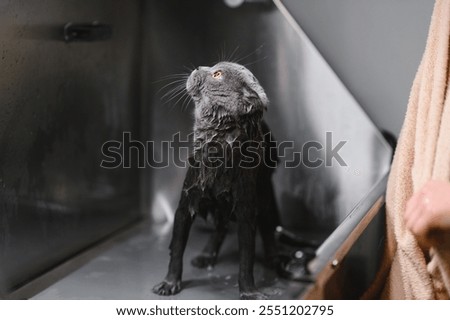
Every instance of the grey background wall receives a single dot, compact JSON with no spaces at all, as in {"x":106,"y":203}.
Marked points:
{"x":375,"y":48}
{"x":59,"y":103}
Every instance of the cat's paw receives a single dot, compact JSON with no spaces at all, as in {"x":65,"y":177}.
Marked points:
{"x":252,"y":295}
{"x":204,"y":261}
{"x":167,"y":288}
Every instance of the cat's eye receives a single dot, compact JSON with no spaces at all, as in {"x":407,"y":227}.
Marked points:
{"x":217,"y":74}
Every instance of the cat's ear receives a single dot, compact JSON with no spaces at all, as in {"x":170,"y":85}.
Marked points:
{"x":253,"y":101}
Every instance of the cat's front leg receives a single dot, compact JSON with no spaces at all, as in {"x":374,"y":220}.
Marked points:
{"x":182,"y":224}
{"x":172,"y":282}
{"x":246,"y":214}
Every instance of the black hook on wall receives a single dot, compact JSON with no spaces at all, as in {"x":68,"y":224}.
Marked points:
{"x":87,"y":32}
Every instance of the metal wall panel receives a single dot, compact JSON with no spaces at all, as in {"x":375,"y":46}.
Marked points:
{"x":59,"y":102}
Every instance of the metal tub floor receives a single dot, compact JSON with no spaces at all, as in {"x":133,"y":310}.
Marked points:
{"x":130,"y":268}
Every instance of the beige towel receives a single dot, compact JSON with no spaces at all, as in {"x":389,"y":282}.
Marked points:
{"x":423,"y":153}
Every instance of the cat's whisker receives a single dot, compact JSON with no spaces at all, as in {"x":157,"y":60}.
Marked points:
{"x":176,"y":95}
{"x":231,"y":56}
{"x":186,"y":99}
{"x":250,"y":54}
{"x":183,"y":101}
{"x":189,"y":100}
{"x":182,"y":96}
{"x":172,"y":76}
{"x":222,"y":53}
{"x":167,"y":79}
{"x":222,"y":50}
{"x":174,"y":90}
{"x":174,"y":80}
{"x":177,"y":82}
{"x":256,"y":61}
{"x":218,"y":56}
{"x":189,"y":69}
{"x":170,"y":96}
{"x":175,"y":74}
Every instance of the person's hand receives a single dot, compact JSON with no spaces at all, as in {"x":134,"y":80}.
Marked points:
{"x":427,"y":215}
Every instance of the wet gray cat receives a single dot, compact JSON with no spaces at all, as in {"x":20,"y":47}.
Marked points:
{"x":229,"y":175}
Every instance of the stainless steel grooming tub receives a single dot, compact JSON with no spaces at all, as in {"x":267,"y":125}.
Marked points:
{"x":63,"y":99}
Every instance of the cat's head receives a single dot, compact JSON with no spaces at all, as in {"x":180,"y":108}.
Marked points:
{"x":227,"y":85}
